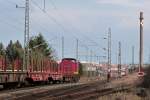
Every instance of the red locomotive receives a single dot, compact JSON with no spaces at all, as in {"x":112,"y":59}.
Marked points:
{"x":40,"y":70}
{"x":69,"y":68}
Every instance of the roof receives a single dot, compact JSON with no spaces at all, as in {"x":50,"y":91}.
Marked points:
{"x":68,"y":59}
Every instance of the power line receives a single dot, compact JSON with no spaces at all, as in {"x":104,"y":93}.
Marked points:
{"x":60,"y":14}
{"x":14,"y":27}
{"x":53,"y":19}
{"x":53,"y":4}
{"x":12,"y":17}
{"x":50,"y":17}
{"x":42,"y":26}
{"x":59,"y":24}
{"x":12,"y":2}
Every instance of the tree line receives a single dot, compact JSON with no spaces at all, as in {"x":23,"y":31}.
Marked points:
{"x":37,"y":46}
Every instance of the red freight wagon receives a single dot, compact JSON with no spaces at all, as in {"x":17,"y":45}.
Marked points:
{"x":69,"y":68}
{"x":40,"y":69}
{"x":17,"y":64}
{"x":44,"y":70}
{"x":2,"y":64}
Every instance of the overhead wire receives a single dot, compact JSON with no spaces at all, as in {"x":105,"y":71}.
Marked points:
{"x":86,"y":37}
{"x":14,"y":27}
{"x":42,"y":26}
{"x":11,"y":18}
{"x":59,"y":24}
{"x":60,"y":14}
{"x":50,"y":17}
{"x":94,"y":43}
{"x":12,"y":2}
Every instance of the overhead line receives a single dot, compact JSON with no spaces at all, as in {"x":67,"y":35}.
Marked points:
{"x":12,"y":2}
{"x":41,"y":26}
{"x":12,"y":25}
{"x":51,"y":18}
{"x":65,"y":30}
{"x":53,"y":4}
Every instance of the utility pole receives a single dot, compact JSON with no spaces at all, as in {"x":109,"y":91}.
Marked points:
{"x":110,"y":45}
{"x":109,"y":49}
{"x":62,"y":47}
{"x":149,"y":58}
{"x":141,"y":41}
{"x":109,"y":55}
{"x":133,"y":57}
{"x":44,"y":5}
{"x":98,"y":59}
{"x":77,"y":49}
{"x":91,"y":54}
{"x":87,"y":54}
{"x":26,"y":37}
{"x":119,"y":60}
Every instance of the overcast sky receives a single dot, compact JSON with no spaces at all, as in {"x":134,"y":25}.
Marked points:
{"x":87,"y":20}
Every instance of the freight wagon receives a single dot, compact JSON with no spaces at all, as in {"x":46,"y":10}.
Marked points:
{"x":41,"y":70}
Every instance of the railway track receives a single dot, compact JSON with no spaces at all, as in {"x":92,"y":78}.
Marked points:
{"x":25,"y":88}
{"x":43,"y":92}
{"x":76,"y":91}
{"x":29,"y":91}
{"x":57,"y":93}
{"x":87,"y":93}
{"x":71,"y":92}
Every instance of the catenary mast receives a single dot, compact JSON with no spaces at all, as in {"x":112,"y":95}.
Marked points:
{"x":141,"y":41}
{"x":26,"y":37}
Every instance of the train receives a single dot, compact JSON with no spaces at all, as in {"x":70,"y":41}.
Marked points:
{"x":40,"y":71}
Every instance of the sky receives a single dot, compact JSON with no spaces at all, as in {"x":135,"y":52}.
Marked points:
{"x":85,"y":20}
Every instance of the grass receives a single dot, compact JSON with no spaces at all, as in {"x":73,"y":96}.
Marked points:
{"x":122,"y":96}
{"x":126,"y":95}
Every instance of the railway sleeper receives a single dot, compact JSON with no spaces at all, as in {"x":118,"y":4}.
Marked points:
{"x":10,"y":85}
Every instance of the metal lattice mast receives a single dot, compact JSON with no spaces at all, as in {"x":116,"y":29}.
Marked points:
{"x":149,"y":57}
{"x":133,"y":57}
{"x":62,"y":47}
{"x":109,"y":49}
{"x":141,"y":41}
{"x":26,"y":37}
{"x":119,"y":60}
{"x":110,"y":44}
{"x":77,"y":48}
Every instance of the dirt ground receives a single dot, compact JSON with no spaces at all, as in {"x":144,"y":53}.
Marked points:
{"x":123,"y":96}
{"x":132,"y":80}
{"x":91,"y":79}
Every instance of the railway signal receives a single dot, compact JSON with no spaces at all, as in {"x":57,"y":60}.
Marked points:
{"x":141,"y":74}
